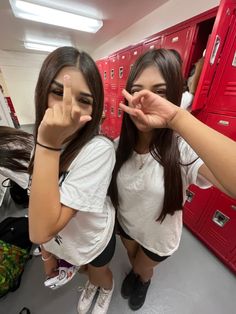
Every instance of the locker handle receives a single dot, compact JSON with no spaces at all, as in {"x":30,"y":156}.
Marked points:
{"x":215,"y":49}
{"x":223,"y":122}
{"x":220,"y":219}
{"x":190,"y":196}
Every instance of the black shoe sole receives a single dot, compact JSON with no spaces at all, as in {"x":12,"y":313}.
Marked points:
{"x":135,"y":308}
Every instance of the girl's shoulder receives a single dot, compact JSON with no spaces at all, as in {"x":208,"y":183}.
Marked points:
{"x":100,"y":141}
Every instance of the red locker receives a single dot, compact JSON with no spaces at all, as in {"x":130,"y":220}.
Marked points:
{"x":224,"y":18}
{"x":218,"y":231}
{"x":135,"y":52}
{"x":196,"y":203}
{"x":223,"y":124}
{"x":153,"y":43}
{"x":222,"y":97}
{"x":181,"y":41}
{"x":232,"y":261}
{"x":123,"y":66}
{"x":105,"y":66}
{"x":99,"y":64}
{"x":113,"y":72}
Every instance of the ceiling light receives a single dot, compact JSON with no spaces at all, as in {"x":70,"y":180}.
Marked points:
{"x":38,"y":13}
{"x":40,"y":47}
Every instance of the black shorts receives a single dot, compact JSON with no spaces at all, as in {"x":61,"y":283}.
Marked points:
{"x":154,"y":257}
{"x":107,"y":254}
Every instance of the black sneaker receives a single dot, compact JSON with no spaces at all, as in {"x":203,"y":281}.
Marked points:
{"x":128,"y":284}
{"x":138,"y":295}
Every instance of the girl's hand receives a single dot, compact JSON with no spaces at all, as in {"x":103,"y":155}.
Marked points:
{"x":149,"y":110}
{"x":62,"y":120}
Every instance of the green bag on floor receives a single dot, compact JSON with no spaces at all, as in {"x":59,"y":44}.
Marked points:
{"x":15,"y":248}
{"x":12,"y":262}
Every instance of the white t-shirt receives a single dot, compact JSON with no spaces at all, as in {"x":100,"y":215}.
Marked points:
{"x":84,"y":188}
{"x":141,"y":196}
{"x":186,"y":100}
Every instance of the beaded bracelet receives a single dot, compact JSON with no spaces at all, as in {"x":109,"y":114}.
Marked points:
{"x":48,"y":147}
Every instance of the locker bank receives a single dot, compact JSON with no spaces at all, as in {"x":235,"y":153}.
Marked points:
{"x":200,"y":276}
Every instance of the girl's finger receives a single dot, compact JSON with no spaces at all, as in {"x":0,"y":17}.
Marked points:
{"x":67,"y":97}
{"x":85,"y":119}
{"x":57,"y":111}
{"x":127,"y":109}
{"x":127,"y":95}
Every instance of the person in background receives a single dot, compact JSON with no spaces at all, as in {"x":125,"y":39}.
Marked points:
{"x":190,"y":85}
{"x":15,"y":150}
{"x":70,"y":215}
{"x":162,"y":149}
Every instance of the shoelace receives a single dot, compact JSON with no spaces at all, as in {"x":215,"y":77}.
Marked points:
{"x":103,"y":295}
{"x":88,"y":290}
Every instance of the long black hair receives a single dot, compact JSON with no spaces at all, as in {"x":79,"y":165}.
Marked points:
{"x":53,"y":64}
{"x":164,"y":144}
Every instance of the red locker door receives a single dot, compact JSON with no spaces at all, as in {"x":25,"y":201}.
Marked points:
{"x":135,"y":52}
{"x":223,"y":124}
{"x":106,"y":76}
{"x":222,"y":97}
{"x":181,"y":41}
{"x":218,"y":231}
{"x":123,"y":67}
{"x":195,"y":205}
{"x":213,"y":51}
{"x":151,"y":44}
{"x":99,"y":64}
{"x":232,"y":261}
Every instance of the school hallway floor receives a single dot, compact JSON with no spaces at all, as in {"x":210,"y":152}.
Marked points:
{"x":192,"y":281}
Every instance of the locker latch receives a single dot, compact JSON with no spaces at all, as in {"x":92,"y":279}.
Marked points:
{"x":190,"y":196}
{"x":219,"y":218}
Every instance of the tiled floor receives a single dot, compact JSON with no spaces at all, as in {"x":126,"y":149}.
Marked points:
{"x":192,"y":281}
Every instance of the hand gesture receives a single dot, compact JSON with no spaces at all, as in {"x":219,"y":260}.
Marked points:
{"x":62,"y":120}
{"x":149,"y":110}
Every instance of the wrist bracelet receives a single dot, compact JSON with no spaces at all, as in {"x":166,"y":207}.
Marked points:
{"x":48,"y":147}
{"x":45,"y":259}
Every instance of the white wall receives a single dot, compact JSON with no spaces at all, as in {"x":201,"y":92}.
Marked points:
{"x":20,"y":72}
{"x":169,"y":14}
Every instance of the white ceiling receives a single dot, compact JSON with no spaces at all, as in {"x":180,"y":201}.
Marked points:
{"x":117,"y":15}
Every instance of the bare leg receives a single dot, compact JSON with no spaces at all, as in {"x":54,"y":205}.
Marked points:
{"x":100,"y":276}
{"x":131,"y":248}
{"x":50,"y":263}
{"x":144,"y":266}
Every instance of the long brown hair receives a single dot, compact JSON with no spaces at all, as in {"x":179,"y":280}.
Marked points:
{"x":15,"y":148}
{"x":164,"y":143}
{"x":58,"y":59}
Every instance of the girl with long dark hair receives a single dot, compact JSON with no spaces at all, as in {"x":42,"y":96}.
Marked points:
{"x":70,"y":214}
{"x":157,"y":159}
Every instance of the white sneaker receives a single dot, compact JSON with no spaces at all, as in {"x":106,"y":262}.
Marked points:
{"x":86,"y":298}
{"x":64,"y":276}
{"x":103,"y":301}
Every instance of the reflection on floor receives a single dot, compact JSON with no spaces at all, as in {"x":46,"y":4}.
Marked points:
{"x":192,"y":281}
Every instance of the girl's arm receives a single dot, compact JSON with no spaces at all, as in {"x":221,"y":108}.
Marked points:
{"x":216,"y":150}
{"x":47,"y":216}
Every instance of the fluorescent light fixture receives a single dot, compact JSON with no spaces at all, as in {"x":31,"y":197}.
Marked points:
{"x":40,"y":47}
{"x":38,"y":13}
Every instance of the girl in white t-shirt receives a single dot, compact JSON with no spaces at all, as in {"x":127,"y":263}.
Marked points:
{"x":70,"y":214}
{"x":155,"y":164}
